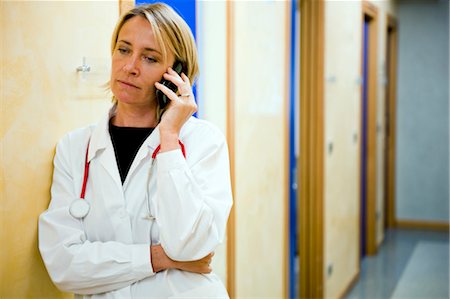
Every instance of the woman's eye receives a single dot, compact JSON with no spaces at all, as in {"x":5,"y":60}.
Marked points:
{"x":123,"y":50}
{"x":149,"y":59}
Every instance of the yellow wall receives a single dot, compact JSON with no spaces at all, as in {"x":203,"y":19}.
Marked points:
{"x":260,"y":78}
{"x":343,"y":50}
{"x":42,"y":97}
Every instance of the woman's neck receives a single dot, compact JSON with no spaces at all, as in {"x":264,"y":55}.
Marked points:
{"x":132,"y":116}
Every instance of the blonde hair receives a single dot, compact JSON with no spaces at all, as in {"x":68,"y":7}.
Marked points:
{"x":171,"y":32}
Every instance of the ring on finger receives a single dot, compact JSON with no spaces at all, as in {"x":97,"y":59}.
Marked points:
{"x":185,"y":95}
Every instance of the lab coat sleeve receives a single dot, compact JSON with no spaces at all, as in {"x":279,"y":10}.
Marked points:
{"x":194,"y":199}
{"x":74,"y":263}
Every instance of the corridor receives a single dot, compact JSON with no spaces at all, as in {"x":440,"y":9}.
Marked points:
{"x":336,"y":121}
{"x":410,"y":264}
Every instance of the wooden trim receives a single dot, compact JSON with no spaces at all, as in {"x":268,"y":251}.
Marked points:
{"x":391,"y":22}
{"x":287,"y":64}
{"x":311,"y":164}
{"x":391,"y":102}
{"x":231,"y":226}
{"x":351,"y":284}
{"x":421,"y":224}
{"x":125,"y":5}
{"x":369,"y":9}
{"x":371,"y":12}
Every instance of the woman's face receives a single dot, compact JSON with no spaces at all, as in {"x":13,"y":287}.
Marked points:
{"x":137,"y":63}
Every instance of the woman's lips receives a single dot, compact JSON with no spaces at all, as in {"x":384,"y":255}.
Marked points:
{"x":127,"y":84}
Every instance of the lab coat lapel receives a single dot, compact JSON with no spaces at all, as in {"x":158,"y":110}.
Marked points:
{"x":100,"y":138}
{"x":149,"y":145}
{"x":108,"y":161}
{"x":100,"y":146}
{"x":146,"y":150}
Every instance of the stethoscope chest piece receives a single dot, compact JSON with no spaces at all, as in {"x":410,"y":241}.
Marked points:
{"x":79,"y":208}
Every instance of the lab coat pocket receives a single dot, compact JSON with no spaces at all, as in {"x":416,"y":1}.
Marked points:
{"x":214,"y":290}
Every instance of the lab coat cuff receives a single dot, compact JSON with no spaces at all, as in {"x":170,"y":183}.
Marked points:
{"x":170,"y":160}
{"x":141,"y":260}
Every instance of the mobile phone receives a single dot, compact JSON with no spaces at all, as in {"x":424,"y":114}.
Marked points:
{"x":179,"y":68}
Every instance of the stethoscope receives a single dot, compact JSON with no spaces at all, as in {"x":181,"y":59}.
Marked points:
{"x":79,"y":208}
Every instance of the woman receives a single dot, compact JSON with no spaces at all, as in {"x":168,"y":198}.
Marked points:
{"x":153,"y":181}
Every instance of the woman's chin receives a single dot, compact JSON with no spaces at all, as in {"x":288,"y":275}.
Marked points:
{"x":135,"y":102}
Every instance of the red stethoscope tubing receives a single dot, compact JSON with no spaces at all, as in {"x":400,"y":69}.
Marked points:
{"x":86,"y":165}
{"x":158,"y":148}
{"x":86,"y":173}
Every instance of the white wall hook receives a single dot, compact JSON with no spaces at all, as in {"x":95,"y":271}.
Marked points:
{"x":84,"y":68}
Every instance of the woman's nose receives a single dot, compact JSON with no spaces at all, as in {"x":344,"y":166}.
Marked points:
{"x":132,"y":66}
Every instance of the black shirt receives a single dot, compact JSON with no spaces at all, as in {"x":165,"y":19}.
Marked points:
{"x":126,"y":142}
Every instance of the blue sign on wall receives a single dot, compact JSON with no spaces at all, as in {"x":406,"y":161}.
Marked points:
{"x":185,"y":8}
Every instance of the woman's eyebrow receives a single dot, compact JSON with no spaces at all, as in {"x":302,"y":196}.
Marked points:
{"x":147,"y":49}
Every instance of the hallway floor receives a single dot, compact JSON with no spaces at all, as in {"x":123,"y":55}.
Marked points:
{"x":409,"y":264}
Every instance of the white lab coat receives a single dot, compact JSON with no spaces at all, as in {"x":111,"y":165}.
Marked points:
{"x":107,"y":255}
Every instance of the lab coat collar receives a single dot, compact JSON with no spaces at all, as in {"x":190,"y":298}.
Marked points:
{"x":147,"y":148}
{"x":152,"y":141}
{"x":100,"y":137}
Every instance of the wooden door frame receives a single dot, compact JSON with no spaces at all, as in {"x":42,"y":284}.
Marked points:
{"x":231,"y":225}
{"x":311,"y":161}
{"x":371,"y":12}
{"x":391,"y":101}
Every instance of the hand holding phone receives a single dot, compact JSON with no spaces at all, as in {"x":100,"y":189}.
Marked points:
{"x":181,"y":107}
{"x":162,"y":99}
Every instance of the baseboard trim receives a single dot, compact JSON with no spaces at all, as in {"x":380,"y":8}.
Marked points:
{"x":420,"y":224}
{"x":350,"y":286}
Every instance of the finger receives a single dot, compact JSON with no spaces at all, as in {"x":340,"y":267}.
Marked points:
{"x":185,"y":92}
{"x":208,"y":256}
{"x":185,"y":79}
{"x":174,"y":78}
{"x":204,"y":260}
{"x":181,"y":76}
{"x":185,"y":95}
{"x":171,"y":71}
{"x":167,"y":91}
{"x":183,"y":86}
{"x":187,"y":84}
